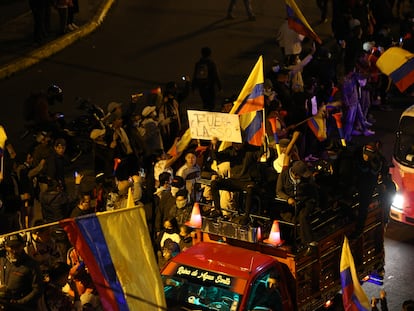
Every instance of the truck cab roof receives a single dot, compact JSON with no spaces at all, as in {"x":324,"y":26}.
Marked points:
{"x":224,"y":258}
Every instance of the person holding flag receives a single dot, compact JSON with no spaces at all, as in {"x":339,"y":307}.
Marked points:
{"x":297,"y":21}
{"x":243,"y":157}
{"x":290,"y":42}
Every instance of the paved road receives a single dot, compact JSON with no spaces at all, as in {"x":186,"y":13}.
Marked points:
{"x":143,"y":44}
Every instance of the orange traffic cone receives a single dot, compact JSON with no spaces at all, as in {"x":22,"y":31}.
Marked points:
{"x":195,"y":220}
{"x":274,"y":236}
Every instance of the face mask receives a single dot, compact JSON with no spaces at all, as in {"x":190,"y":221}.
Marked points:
{"x":11,"y":258}
{"x":181,"y":204}
{"x":169,"y":231}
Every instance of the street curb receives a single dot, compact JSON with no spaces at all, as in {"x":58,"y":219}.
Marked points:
{"x":56,"y":45}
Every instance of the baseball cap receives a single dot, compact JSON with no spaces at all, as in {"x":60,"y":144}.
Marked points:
{"x":178,"y":182}
{"x":112,"y":106}
{"x":60,"y":142}
{"x":148,"y":110}
{"x":14,"y":240}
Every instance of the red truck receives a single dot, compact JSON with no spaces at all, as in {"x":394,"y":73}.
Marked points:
{"x":229,"y":264}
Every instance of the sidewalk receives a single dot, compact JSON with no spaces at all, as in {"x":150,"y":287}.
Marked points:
{"x":17,"y":50}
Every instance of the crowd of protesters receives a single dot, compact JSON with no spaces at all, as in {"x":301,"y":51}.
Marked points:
{"x":141,"y":147}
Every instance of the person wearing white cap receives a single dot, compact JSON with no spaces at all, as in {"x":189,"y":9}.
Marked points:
{"x":120,"y":146}
{"x":103,"y":161}
{"x":152,"y":139}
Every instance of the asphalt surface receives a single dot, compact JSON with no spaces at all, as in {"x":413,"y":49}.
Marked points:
{"x":17,"y":53}
{"x":17,"y":48}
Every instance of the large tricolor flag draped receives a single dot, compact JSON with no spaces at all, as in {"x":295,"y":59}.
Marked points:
{"x":117,"y":250}
{"x":353,"y":295}
{"x":298,"y":22}
{"x":398,"y":64}
{"x":249,"y":105}
{"x":3,"y":138}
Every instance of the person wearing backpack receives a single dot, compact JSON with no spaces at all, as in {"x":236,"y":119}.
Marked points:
{"x":206,"y":78}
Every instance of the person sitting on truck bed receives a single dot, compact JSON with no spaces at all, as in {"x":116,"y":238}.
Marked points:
{"x":244,"y":175}
{"x":296,"y":186}
{"x":268,"y":295}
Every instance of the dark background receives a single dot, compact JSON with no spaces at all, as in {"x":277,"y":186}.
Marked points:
{"x":143,"y":44}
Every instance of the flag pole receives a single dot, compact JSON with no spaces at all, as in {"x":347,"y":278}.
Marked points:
{"x":54,"y":223}
{"x":264,"y":122}
{"x":1,"y":168}
{"x":265,"y":140}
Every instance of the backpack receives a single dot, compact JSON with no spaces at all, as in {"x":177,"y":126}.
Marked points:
{"x":201,"y":74}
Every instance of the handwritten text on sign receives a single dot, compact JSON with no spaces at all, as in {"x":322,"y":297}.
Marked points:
{"x":206,"y":125}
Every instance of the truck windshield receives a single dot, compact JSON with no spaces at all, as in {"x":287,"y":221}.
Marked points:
{"x":194,"y":295}
{"x":404,"y":145}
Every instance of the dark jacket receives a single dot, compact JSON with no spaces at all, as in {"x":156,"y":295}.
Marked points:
{"x":23,"y":280}
{"x":57,"y":205}
{"x":243,"y":162}
{"x":303,"y":191}
{"x":55,"y":167}
{"x":165,"y":202}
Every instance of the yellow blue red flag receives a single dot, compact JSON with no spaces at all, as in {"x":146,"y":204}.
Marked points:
{"x":298,"y":22}
{"x":251,"y":97}
{"x":317,"y":124}
{"x":3,"y":138}
{"x":251,"y":124}
{"x":398,"y":64}
{"x":180,"y":145}
{"x":251,"y":100}
{"x":117,"y":250}
{"x":353,"y":295}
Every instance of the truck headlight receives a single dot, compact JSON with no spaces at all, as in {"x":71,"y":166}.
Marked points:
{"x":398,"y":202}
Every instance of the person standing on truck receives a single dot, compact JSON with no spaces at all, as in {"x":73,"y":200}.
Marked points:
{"x":244,"y":175}
{"x":295,"y":185}
{"x":368,"y":167}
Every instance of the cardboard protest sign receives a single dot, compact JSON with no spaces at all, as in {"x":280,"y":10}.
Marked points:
{"x":206,"y":125}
